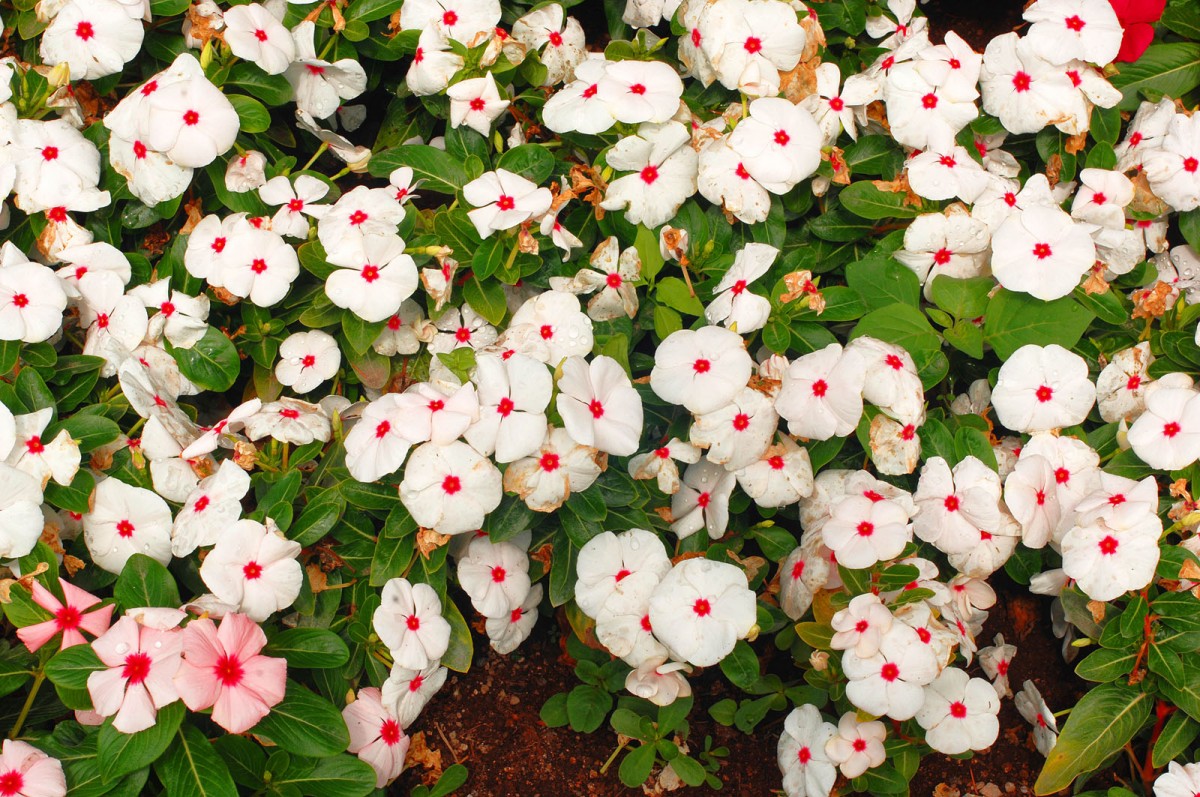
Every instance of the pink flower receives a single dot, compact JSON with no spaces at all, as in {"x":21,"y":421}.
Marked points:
{"x":68,"y":618}
{"x":1136,"y":18}
{"x":142,"y":662}
{"x":26,"y":771}
{"x":376,"y":736}
{"x":222,"y":669}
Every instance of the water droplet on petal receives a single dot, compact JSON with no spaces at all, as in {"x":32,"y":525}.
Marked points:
{"x":121,"y":649}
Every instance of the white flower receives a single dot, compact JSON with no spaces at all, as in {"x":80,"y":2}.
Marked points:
{"x":290,"y":421}
{"x":462,"y":20}
{"x":373,"y":278}
{"x":1041,"y":388}
{"x":1102,"y":198}
{"x":94,"y":38}
{"x":834,"y":110}
{"x":579,"y":105}
{"x":807,"y":770}
{"x":995,"y":662}
{"x":664,"y":173}
{"x":262,"y":269}
{"x":733,"y":304}
{"x":126,"y":520}
{"x":1107,"y":562}
{"x":1042,"y":252}
{"x":950,"y":244}
{"x":659,"y":464}
{"x":181,"y":319}
{"x":513,"y":394}
{"x":599,"y":406}
{"x":409,"y":621}
{"x":1174,"y":167}
{"x":476,"y":103}
{"x":549,"y":327}
{"x":214,"y":505}
{"x":562,"y":45}
{"x":495,"y":576}
{"x":254,"y":568}
{"x":254,"y":34}
{"x":1032,"y":496}
{"x":953,"y":507}
{"x":360,"y":212}
{"x":890,"y":681}
{"x":295,"y":202}
{"x":320,"y":86}
{"x":660,"y":683}
{"x":781,"y":476}
{"x":1067,"y":29}
{"x":959,"y":713}
{"x":1021,"y":87}
{"x":700,"y":609}
{"x":641,"y":91}
{"x":561,"y":467}
{"x":406,"y":692}
{"x":189,"y":120}
{"x":723,"y":180}
{"x":433,"y":64}
{"x":702,"y":501}
{"x":821,"y":395}
{"x":1045,"y":727}
{"x":857,"y":746}
{"x":618,"y":572}
{"x":701,"y":369}
{"x":502,"y":200}
{"x":779,"y":143}
{"x":738,"y":434}
{"x":450,"y":488}
{"x":614,"y":275}
{"x":1122,"y":384}
{"x":891,"y":380}
{"x":21,"y":519}
{"x":861,"y":625}
{"x":925,"y":115}
{"x":151,"y":176}
{"x":862,"y":532}
{"x":32,"y":299}
{"x":307,"y":359}
{"x":505,"y":634}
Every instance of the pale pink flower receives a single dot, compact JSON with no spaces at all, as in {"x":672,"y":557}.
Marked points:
{"x":26,"y":771}
{"x":223,"y":669}
{"x":376,"y":736}
{"x":857,"y":746}
{"x":141,"y":662}
{"x":71,"y":617}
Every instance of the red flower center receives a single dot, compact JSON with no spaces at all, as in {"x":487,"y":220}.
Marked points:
{"x":889,"y":672}
{"x":859,"y":745}
{"x":137,"y":667}
{"x":1074,"y":23}
{"x":930,"y":100}
{"x":820,"y":388}
{"x":837,"y":103}
{"x":613,"y":280}
{"x":20,"y":300}
{"x":548,"y":462}
{"x":776,"y":462}
{"x":1041,"y":251}
{"x":478,"y":104}
{"x":942,"y":256}
{"x":782,"y":138}
{"x":218,"y":245}
{"x":738,"y":287}
{"x":753,"y":45}
{"x":1021,"y":81}
{"x":546,"y":332}
{"x":49,"y":153}
{"x":741,"y":421}
{"x":804,"y":756}
{"x":389,"y":732}
{"x":646,"y":623}
{"x":67,"y":618}
{"x":229,"y":670}
{"x":258,"y":265}
{"x":1190,"y":164}
{"x":498,"y":575}
{"x":415,"y":683}
{"x":201,"y":504}
{"x":958,"y":710}
{"x":1108,"y":545}
{"x":125,"y":529}
{"x":11,"y":782}
{"x":413,"y":622}
{"x":505,"y":406}
{"x":596,"y":408}
{"x":866,"y":529}
{"x":252,"y":571}
{"x":1044,"y":393}
{"x":951,"y":503}
{"x":649,"y":174}
{"x":370,"y":273}
{"x":451,"y":485}
{"x":908,"y":432}
{"x":741,"y":172}
{"x":84,"y":30}
{"x":637,"y":88}
{"x":1134,"y":382}
{"x":308,"y":362}
{"x":701,"y":366}
{"x":449,"y":18}
{"x":290,"y":414}
{"x":1062,"y":475}
{"x":589,"y":92}
{"x":295,"y":205}
{"x":1171,"y":429}
{"x":382,"y":429}
{"x":34,"y":445}
{"x":798,"y":570}
{"x":1116,"y":500}
{"x":701,"y":607}
{"x":662,"y":453}
{"x":191,"y":118}
{"x":358,"y":217}
{"x":622,"y":574}
{"x":556,"y":38}
{"x":260,"y":34}
{"x":505,"y":202}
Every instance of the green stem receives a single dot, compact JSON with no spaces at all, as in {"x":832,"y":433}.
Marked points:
{"x":613,"y":757}
{"x":38,"y":677}
{"x":320,"y":151}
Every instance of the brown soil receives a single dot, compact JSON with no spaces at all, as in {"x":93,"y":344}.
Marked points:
{"x":978,"y":22}
{"x":488,"y":720}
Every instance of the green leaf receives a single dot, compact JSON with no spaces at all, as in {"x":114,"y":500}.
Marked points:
{"x":90,"y":431}
{"x":441,"y":172}
{"x":689,"y":770}
{"x":962,"y":298}
{"x":554,"y":711}
{"x":562,"y":570}
{"x":1016,"y":319}
{"x":253,"y":115}
{"x":882,"y":282}
{"x":32,"y":391}
{"x":970,"y":442}
{"x":840,"y":227}
{"x":1186,"y":697}
{"x":1189,"y":227}
{"x":212,"y":363}
{"x":311,"y":648}
{"x":74,"y":497}
{"x":903,"y":325}
{"x":874,"y":155}
{"x":318,"y":518}
{"x":1107,"y":306}
{"x":122,"y":753}
{"x":486,"y":298}
{"x":192,"y":768}
{"x":462,"y":645}
{"x":1104,"y":665}
{"x":674,"y":293}
{"x":360,"y":334}
{"x":1183,"y":17}
{"x":271,"y":89}
{"x":741,"y":665}
{"x":71,"y":667}
{"x":966,"y":337}
{"x":336,"y":776}
{"x":1164,"y":69}
{"x":454,"y":777}
{"x":1100,"y":724}
{"x":371,"y":10}
{"x":305,"y":724}
{"x":1177,"y":736}
{"x":636,"y":765}
{"x":532,"y":161}
{"x":587,"y":706}
{"x":246,"y":760}
{"x":648,"y":251}
{"x":866,"y":201}
{"x":145,"y":582}
{"x":10,"y":352}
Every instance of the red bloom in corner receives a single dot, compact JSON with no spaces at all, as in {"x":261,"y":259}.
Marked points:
{"x":1137,"y":17}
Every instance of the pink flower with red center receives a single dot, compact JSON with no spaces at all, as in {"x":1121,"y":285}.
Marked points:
{"x":223,"y":669}
{"x":857,"y":746}
{"x":141,"y":663}
{"x":26,"y":771}
{"x":376,"y":735}
{"x":78,"y":612}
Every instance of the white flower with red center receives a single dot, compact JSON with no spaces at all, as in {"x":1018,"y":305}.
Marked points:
{"x":723,"y":180}
{"x":599,"y":406}
{"x":401,"y":179}
{"x":376,"y":736}
{"x":613,"y":275}
{"x":126,"y":520}
{"x":288,"y":420}
{"x":358,"y":213}
{"x":959,"y":713}
{"x":1174,"y":167}
{"x":180,"y":318}
{"x":246,"y":172}
{"x":648,"y":13}
{"x":502,"y":200}
{"x":1042,"y":252}
{"x":406,"y":692}
{"x":659,"y":464}
{"x":215,"y":245}
{"x":189,"y":120}
{"x":320,"y":86}
{"x":891,"y":382}
{"x":862,"y":532}
{"x":659,"y":682}
{"x":254,"y":34}
{"x":861,"y":625}
{"x":561,"y":43}
{"x":950,"y":175}
{"x":995,"y":661}
{"x":1106,"y":561}
{"x":1067,"y":29}
{"x":579,"y":106}
{"x":1040,"y":388}
{"x":701,"y":369}
{"x":461,"y":326}
{"x":700,"y":609}
{"x":780,"y":477}
{"x":26,"y":771}
{"x":1121,"y":503}
{"x":891,"y":681}
{"x":1075,"y":464}
{"x":495,"y":576}
{"x":254,"y":569}
{"x":618,"y":572}
{"x":1102,"y":198}
{"x":476,"y":103}
{"x":356,"y":157}
{"x":746,"y":41}
{"x":464,"y":21}
{"x":856,"y":746}
{"x":1144,"y":133}
{"x":733,"y":303}
{"x":32,"y":299}
{"x":400,"y":334}
{"x":151,"y":176}
{"x":433,"y":64}
{"x":505,"y":634}
{"x":895,"y":448}
{"x":779,"y":144}
{"x":373,"y":278}
{"x":1031,"y":495}
{"x":1180,"y":780}
{"x":640,"y":91}
{"x":295,"y":202}
{"x":513,"y":394}
{"x":953,"y":506}
{"x":262,"y":269}
{"x":664,"y":168}
{"x":738,"y":434}
{"x":409,"y":621}
{"x":426,"y":413}
{"x":215,"y":504}
{"x":140,"y":665}
{"x":562,"y":466}
{"x":834,"y":109}
{"x":76,"y":613}
{"x":1167,"y":434}
{"x":450,"y":488}
{"x":42,"y":459}
{"x":307,"y":359}
{"x":801,"y":574}
{"x":116,"y":324}
{"x":549,"y":327}
{"x":821,"y":395}
{"x":94,"y":39}
{"x":630,"y":636}
{"x":559,"y":235}
{"x":807,"y":770}
{"x":377,"y":445}
{"x":57,"y":169}
{"x":926,"y":115}
{"x":1033,"y":708}
{"x":1021,"y":87}
{"x":702,"y":501}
